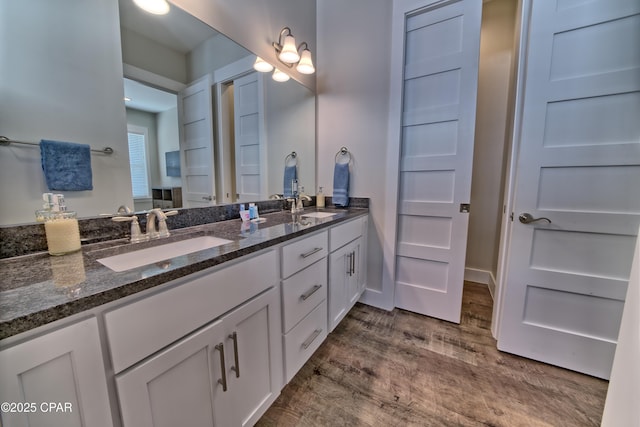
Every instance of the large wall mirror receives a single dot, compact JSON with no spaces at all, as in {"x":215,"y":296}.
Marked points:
{"x":192,"y":98}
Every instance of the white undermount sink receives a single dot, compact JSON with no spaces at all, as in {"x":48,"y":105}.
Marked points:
{"x":318,"y":214}
{"x":129,"y":260}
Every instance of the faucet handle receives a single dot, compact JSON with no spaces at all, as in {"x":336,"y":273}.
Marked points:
{"x":136,"y":234}
{"x":163,"y":230}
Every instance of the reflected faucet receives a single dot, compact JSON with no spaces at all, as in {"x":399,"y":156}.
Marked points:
{"x":162,"y":230}
{"x":123,"y":209}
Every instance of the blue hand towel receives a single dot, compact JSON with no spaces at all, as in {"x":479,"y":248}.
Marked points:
{"x":66,"y":166}
{"x":290,"y":173}
{"x":341,"y":185}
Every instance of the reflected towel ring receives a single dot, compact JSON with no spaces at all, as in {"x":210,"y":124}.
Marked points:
{"x":343,"y":152}
{"x":291,"y":157}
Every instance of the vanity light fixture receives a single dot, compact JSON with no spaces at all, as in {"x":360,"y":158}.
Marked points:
{"x":287,"y":52}
{"x":156,"y":7}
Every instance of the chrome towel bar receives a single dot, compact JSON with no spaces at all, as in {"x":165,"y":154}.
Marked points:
{"x":6,"y":141}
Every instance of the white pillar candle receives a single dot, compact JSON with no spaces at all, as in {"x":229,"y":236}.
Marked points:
{"x":63,"y":234}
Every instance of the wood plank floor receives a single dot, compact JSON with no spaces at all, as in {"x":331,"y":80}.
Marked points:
{"x":398,"y":368}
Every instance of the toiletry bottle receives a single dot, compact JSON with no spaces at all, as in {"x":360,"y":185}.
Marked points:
{"x":244,"y":214}
{"x":253,"y":212}
{"x":300,"y":206}
{"x":320,"y":199}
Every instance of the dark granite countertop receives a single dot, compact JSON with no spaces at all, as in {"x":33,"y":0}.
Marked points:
{"x":38,"y":289}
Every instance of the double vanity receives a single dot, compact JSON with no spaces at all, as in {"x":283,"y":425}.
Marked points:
{"x":204,"y":327}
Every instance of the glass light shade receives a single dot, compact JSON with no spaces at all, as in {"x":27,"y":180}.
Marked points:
{"x":279,"y":76}
{"x":157,"y":7}
{"x":289,"y":54}
{"x":262,"y":66}
{"x":305,"y":66}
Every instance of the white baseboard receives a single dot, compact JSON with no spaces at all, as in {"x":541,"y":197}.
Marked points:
{"x":481,"y":276}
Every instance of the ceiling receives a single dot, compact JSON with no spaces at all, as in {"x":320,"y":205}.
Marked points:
{"x":176,"y":30}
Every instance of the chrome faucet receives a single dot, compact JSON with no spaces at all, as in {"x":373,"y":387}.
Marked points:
{"x":296,"y":202}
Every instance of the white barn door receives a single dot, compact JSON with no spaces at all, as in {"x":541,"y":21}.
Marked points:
{"x":249,"y":138}
{"x":579,"y":166}
{"x":441,"y":49}
{"x":195,"y":117}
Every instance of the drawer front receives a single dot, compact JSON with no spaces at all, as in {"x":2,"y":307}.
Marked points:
{"x":302,"y":292}
{"x":304,"y":339}
{"x":345,"y":233}
{"x":143,"y":327}
{"x":303,"y":253}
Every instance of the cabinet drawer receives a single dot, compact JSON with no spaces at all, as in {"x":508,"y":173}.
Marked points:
{"x":302,"y":292}
{"x":304,"y":339}
{"x":303,"y":253}
{"x":344,"y":233}
{"x":143,"y":327}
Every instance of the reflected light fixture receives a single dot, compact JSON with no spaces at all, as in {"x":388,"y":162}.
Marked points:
{"x":262,"y":65}
{"x":156,"y":7}
{"x":279,"y":76}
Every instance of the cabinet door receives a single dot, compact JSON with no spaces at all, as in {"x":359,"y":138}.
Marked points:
{"x":339,"y":266}
{"x":354,"y":273}
{"x":62,"y":367}
{"x":253,"y":349}
{"x":177,"y":387}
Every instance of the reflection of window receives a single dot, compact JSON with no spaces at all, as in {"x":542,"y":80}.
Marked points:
{"x":138,"y":161}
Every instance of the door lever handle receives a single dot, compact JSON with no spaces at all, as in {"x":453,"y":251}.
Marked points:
{"x":527,"y":218}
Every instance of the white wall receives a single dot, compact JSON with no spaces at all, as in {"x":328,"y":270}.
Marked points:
{"x":496,"y":52}
{"x":289,"y":114}
{"x":212,"y":54}
{"x":69,"y":89}
{"x":168,"y":140}
{"x":353,"y":92}
{"x":149,"y":55}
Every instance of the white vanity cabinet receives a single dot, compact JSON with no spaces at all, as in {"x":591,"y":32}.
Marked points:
{"x":304,"y":294}
{"x":56,"y":379}
{"x":225,"y":374}
{"x":206,"y":352}
{"x":346,"y":268}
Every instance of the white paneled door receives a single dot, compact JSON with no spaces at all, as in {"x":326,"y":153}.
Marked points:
{"x":195,"y":115}
{"x":579,"y":166}
{"x":249,"y":138}
{"x":441,"y":48}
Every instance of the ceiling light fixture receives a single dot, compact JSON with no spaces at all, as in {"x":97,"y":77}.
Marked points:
{"x":156,"y":7}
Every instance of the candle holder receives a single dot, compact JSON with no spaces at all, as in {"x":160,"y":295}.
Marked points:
{"x":61,"y":228}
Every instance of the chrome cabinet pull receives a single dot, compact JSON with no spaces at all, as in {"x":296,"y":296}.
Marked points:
{"x":353,"y":262}
{"x":310,"y":292}
{"x":236,"y":368}
{"x":527,"y":218}
{"x":314,"y":335}
{"x":223,"y":380}
{"x":349,"y":266}
{"x":311,"y":252}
